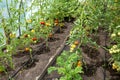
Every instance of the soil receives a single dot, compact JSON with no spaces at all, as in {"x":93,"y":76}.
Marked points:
{"x":97,"y":60}
{"x":35,"y":65}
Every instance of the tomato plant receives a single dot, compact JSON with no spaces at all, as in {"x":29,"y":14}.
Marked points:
{"x":115,"y":49}
{"x":69,"y":66}
{"x":16,"y":39}
{"x":5,"y":61}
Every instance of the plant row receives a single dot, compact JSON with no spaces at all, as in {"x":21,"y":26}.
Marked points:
{"x":92,"y":15}
{"x":38,"y":27}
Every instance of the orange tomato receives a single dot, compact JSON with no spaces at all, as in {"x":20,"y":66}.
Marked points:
{"x":76,"y":42}
{"x":34,"y":39}
{"x":79,"y":63}
{"x":27,"y":49}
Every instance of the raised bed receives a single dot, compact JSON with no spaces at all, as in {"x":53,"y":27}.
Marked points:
{"x":25,"y":68}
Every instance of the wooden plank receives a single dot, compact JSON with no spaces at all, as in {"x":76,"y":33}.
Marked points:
{"x":52,"y":59}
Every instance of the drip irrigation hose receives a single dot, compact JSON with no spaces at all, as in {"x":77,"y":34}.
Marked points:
{"x":104,"y":11}
{"x":21,"y":67}
{"x":33,"y":54}
{"x":105,"y":59}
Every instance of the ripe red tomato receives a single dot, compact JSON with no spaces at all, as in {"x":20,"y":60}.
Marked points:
{"x":34,"y":39}
{"x":42,"y":23}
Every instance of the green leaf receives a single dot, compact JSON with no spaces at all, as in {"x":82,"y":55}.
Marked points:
{"x":61,"y":70}
{"x":78,"y":70}
{"x":51,"y":69}
{"x":2,"y":68}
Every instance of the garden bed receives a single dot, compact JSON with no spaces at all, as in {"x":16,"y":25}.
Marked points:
{"x":95,"y":60}
{"x":31,"y":72}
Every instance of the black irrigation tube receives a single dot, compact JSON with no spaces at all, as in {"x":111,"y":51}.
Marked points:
{"x":23,"y":65}
{"x":104,"y":11}
{"x":105,"y":59}
{"x":11,"y":77}
{"x":19,"y":69}
{"x":33,"y":54}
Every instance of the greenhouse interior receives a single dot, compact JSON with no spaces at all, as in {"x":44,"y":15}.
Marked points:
{"x":60,"y":40}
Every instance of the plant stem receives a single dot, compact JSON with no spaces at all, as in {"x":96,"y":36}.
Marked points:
{"x":8,"y":9}
{"x":19,"y":18}
{"x":7,"y":31}
{"x":24,"y":14}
